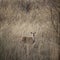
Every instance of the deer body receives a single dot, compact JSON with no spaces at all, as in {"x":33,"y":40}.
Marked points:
{"x":29,"y":40}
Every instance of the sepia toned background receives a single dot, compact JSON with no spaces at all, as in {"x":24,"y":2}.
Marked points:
{"x":18,"y":18}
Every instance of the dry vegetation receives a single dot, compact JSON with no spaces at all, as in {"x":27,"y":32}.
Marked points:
{"x":18,"y":18}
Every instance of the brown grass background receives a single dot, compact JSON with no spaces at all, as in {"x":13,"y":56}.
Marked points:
{"x":20,"y":17}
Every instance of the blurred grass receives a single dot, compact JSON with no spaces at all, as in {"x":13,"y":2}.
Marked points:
{"x":15,"y":23}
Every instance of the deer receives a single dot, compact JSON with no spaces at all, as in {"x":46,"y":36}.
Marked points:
{"x":29,"y":40}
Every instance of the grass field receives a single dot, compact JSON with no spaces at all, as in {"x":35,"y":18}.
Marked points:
{"x":18,"y":18}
